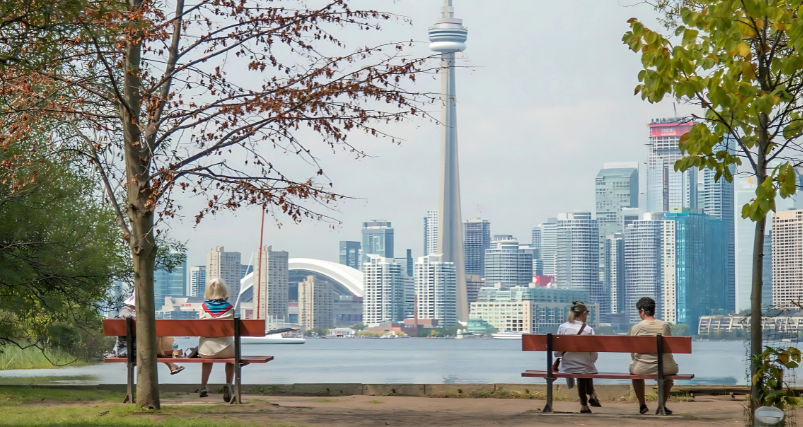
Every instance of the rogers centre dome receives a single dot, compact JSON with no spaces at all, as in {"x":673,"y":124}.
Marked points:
{"x":346,"y":280}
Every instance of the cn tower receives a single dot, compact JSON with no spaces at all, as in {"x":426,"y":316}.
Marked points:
{"x":447,"y":37}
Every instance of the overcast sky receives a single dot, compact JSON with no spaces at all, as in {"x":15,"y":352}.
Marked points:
{"x":548,"y":99}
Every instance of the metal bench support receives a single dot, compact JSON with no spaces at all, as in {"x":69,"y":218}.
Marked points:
{"x":550,"y":376}
{"x":660,"y":344}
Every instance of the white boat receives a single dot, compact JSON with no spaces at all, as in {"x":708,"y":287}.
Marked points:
{"x":505,"y":335}
{"x":272,"y":339}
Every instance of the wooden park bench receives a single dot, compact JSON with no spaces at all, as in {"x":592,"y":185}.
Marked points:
{"x":606,"y":344}
{"x":189,"y":328}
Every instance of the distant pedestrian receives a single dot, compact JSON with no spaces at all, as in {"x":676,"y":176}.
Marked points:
{"x":647,"y":364}
{"x":579,"y":363}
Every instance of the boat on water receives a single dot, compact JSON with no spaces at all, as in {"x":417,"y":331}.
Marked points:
{"x":506,"y":335}
{"x":274,"y":336}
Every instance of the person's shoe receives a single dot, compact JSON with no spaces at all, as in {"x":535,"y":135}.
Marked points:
{"x":204,"y":392}
{"x":644,"y":409}
{"x":594,"y":401}
{"x":585,"y":410}
{"x":666,"y":411}
{"x":227,"y":393}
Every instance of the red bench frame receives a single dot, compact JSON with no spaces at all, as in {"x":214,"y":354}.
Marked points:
{"x":606,"y":344}
{"x":189,"y":328}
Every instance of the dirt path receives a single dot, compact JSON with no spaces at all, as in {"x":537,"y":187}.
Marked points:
{"x":358,"y":411}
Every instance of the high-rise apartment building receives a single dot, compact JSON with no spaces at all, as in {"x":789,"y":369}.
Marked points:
{"x":614,"y":283}
{"x":787,"y":258}
{"x":197,"y":281}
{"x":718,"y":197}
{"x":667,"y":189}
{"x":506,"y":263}
{"x":549,"y":245}
{"x":350,"y":254}
{"x":577,"y":260}
{"x":436,"y":289}
{"x":224,"y":265}
{"x":377,"y":239}
{"x":274,"y":287}
{"x":316,"y":304}
{"x":170,"y":284}
{"x":476,"y":240}
{"x":431,"y":232}
{"x":383,"y":301}
{"x":643,"y":263}
{"x":617,"y":187}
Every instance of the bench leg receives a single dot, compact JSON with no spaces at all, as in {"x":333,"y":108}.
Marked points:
{"x":548,"y":407}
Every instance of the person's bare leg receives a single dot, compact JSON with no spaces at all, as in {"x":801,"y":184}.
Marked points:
{"x":206,"y":370}
{"x":638,"y":388}
{"x":229,"y":373}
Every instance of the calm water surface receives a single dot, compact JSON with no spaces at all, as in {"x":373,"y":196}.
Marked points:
{"x":407,"y":361}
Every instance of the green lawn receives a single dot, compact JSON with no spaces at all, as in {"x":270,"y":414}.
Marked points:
{"x":37,"y":406}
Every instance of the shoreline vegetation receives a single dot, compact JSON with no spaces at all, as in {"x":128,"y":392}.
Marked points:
{"x":13,"y":357}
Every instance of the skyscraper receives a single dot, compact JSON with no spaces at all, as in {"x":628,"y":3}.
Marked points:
{"x":577,"y":261}
{"x":447,"y":37}
{"x":617,"y":187}
{"x":315,"y":304}
{"x":384,"y":291}
{"x":476,"y":239}
{"x":667,"y":189}
{"x":436,"y":290}
{"x":549,"y":245}
{"x":718,"y":202}
{"x":350,"y":254}
{"x":274,"y":287}
{"x":170,"y":284}
{"x":197,"y":281}
{"x":787,"y":259}
{"x":614,"y":283}
{"x":377,"y":239}
{"x":431,"y":232}
{"x":226,"y":266}
{"x":507,"y":264}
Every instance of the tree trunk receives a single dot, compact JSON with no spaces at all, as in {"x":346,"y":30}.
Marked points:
{"x":140,"y":206}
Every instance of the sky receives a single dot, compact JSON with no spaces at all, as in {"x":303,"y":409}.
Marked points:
{"x":544,"y":98}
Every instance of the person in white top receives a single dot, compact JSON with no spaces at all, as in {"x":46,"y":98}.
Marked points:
{"x":579,"y":363}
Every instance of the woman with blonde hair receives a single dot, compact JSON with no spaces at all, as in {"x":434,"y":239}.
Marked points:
{"x":216,"y":307}
{"x":579,"y":363}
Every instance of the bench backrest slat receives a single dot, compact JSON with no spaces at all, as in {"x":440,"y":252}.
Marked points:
{"x":606,"y":344}
{"x":191,"y":328}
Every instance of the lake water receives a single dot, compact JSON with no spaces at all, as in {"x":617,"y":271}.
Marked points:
{"x":404,"y":361}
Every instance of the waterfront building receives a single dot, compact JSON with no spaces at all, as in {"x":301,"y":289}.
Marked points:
{"x":224,"y":265}
{"x":530,"y":309}
{"x":643,"y":266}
{"x":506,"y":263}
{"x":435,"y":286}
{"x":614,"y":282}
{"x":617,"y":187}
{"x":549,"y":245}
{"x":787,"y":258}
{"x":474,"y":282}
{"x":170,"y":283}
{"x":350,"y":254}
{"x":377,"y":239}
{"x":406,"y":263}
{"x":447,"y":37}
{"x":476,"y":240}
{"x":274,"y":287}
{"x":197,"y":281}
{"x":431,"y":232}
{"x":666,"y":188}
{"x":316,"y":304}
{"x":577,"y":260}
{"x":383,"y":300}
{"x":718,"y":197}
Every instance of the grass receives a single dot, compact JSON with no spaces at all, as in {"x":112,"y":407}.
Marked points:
{"x":39,"y":406}
{"x":32,"y":358}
